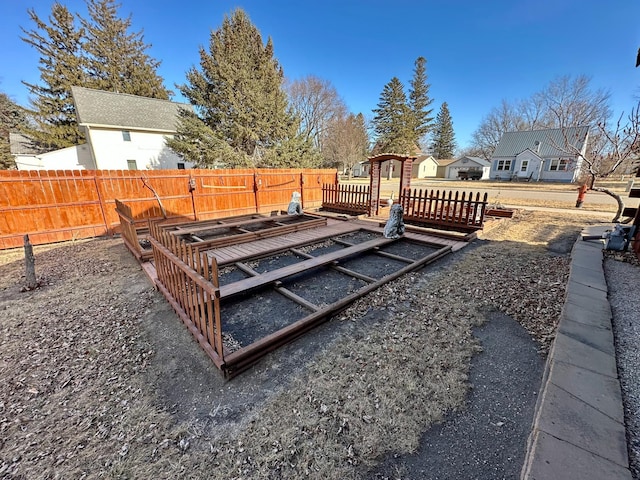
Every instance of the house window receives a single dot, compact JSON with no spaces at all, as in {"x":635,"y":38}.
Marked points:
{"x":180,"y":165}
{"x":524,"y":165}
{"x":504,"y":165}
{"x":126,"y":135}
{"x":559,"y":165}
{"x":132,"y":165}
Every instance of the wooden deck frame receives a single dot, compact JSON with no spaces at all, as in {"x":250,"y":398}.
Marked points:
{"x":243,"y":358}
{"x":249,"y":236}
{"x":132,"y":234}
{"x":188,"y":278}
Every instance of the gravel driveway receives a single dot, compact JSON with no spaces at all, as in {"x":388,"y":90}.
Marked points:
{"x":622,"y":279}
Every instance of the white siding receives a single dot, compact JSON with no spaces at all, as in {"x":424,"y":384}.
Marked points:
{"x":148,"y":149}
{"x":70,"y":158}
{"x":424,"y":169}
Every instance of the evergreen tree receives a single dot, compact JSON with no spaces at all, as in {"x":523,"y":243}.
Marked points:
{"x":11,"y":119}
{"x":444,"y":142}
{"x":419,"y":101}
{"x":296,"y":151}
{"x":59,"y":44}
{"x":198,"y":143}
{"x":238,"y":94}
{"x":99,"y":54}
{"x":393,"y":124}
{"x":117,"y":59}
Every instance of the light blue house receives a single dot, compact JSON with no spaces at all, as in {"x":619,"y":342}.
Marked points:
{"x":552,"y":155}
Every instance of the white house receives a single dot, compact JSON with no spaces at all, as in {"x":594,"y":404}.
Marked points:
{"x":127,"y":131}
{"x":549,"y":155}
{"x":29,"y":157}
{"x":469,"y":164}
{"x":424,"y":166}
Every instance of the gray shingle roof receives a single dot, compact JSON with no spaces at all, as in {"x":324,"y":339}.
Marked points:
{"x":20,"y":144}
{"x":513,"y":143}
{"x":97,"y":107}
{"x":478,"y":160}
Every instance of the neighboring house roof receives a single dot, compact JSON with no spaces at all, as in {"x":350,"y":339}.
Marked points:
{"x":444,"y":162}
{"x":531,"y":152}
{"x":20,"y":144}
{"x":480,"y":161}
{"x":422,"y":158}
{"x":121,"y":110}
{"x":544,"y":143}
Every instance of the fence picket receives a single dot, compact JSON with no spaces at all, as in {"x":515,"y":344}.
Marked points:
{"x":66,"y":204}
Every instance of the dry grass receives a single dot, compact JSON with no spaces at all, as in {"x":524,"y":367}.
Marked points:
{"x":532,"y":202}
{"x":392,"y":185}
{"x":75,"y":404}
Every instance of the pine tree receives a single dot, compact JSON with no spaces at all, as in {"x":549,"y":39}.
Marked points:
{"x":419,"y":101}
{"x":99,"y":54}
{"x":444,"y":142}
{"x":203,"y":146}
{"x":59,"y":44}
{"x":238,"y":93}
{"x":392,"y":121}
{"x":117,"y":59}
{"x":11,"y":119}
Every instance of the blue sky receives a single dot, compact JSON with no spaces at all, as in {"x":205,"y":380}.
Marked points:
{"x":478,"y":52}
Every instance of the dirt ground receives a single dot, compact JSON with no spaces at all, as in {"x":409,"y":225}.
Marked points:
{"x":99,"y":379}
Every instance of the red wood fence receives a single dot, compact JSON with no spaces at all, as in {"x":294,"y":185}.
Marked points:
{"x":442,"y":209}
{"x":59,"y":205}
{"x":349,"y":199}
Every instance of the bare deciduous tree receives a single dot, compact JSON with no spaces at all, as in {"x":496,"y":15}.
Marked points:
{"x":565,"y":102}
{"x":346,"y":141}
{"x":316,"y":102}
{"x":571,"y":102}
{"x":617,"y":146}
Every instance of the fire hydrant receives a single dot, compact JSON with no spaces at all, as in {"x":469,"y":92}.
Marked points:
{"x":582,"y":191}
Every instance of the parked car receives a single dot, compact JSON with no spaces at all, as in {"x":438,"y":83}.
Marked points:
{"x":470,"y":174}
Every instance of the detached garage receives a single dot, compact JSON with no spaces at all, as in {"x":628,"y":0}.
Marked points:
{"x":469,"y":167}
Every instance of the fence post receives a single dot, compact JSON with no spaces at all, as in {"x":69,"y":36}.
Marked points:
{"x":30,"y":264}
{"x":102,"y":205}
{"x":256,"y":186}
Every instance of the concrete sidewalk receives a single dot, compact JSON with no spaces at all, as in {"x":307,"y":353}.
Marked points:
{"x":578,"y":430}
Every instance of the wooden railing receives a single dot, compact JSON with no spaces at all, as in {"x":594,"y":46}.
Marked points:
{"x":444,"y":209}
{"x":190,"y":283}
{"x":349,"y":199}
{"x":130,"y":233}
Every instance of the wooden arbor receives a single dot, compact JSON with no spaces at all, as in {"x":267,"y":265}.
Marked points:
{"x":406,"y":163}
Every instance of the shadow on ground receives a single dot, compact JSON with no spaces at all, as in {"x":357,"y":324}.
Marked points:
{"x":487,"y":439}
